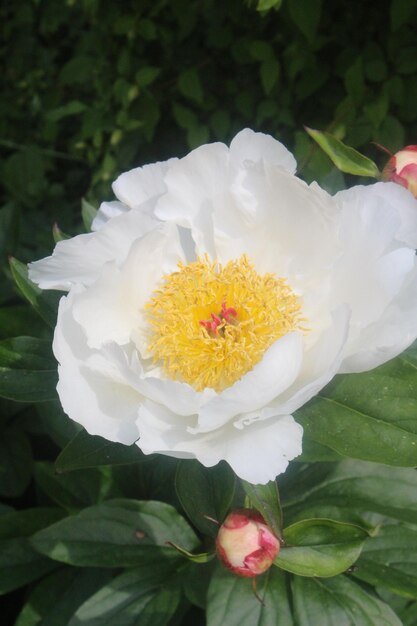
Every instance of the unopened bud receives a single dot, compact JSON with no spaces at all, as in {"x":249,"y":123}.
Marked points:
{"x":402,"y":169}
{"x":245,"y":544}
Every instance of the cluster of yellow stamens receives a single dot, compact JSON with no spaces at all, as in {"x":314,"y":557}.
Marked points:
{"x":211,"y":324}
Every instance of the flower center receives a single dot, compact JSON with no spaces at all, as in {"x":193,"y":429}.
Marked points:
{"x":211,"y":324}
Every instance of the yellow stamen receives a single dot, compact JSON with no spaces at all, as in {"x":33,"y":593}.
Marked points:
{"x":211,"y":324}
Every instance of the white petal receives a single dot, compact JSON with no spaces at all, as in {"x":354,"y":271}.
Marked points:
{"x":277,"y":220}
{"x":80,"y":260}
{"x":101,"y":404}
{"x":393,"y":332}
{"x":367,"y":217}
{"x":380,"y":281}
{"x":388,"y":197}
{"x":256,"y":453}
{"x":276,"y":371}
{"x":105,"y":310}
{"x":260,"y":452}
{"x":320,"y":363}
{"x":111,"y":310}
{"x":370,"y":273}
{"x":192,"y":182}
{"x":179,"y":397}
{"x":255,"y":147}
{"x":142,"y":183}
{"x":106,"y":212}
{"x":123,"y":365}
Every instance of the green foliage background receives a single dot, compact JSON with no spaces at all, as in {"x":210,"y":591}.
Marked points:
{"x":91,"y":88}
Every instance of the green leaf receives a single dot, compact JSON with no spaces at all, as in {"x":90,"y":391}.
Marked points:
{"x":406,"y":62}
{"x":265,"y":498}
{"x":9,"y":229}
{"x":409,"y":615}
{"x":196,"y":578}
{"x":189,"y":85}
{"x":261,"y":50}
{"x":370,"y":416}
{"x":58,"y":234}
{"x":44,"y":302}
{"x":185,"y":117}
{"x":76,"y":490}
{"x":56,"y":598}
{"x":397,"y":603}
{"x":345,"y":515}
{"x":390,"y":560}
{"x":19,"y":563}
{"x":88,"y":213}
{"x":338,"y":601}
{"x":313,"y":451}
{"x":320,"y":547}
{"x":231,"y":600}
{"x":156,"y":480}
{"x":148,"y":596}
{"x":91,"y":451}
{"x":28,"y":371}
{"x":20,"y":319}
{"x":24,"y":523}
{"x":220,"y":123}
{"x":376,"y":110}
{"x":118,"y":533}
{"x":147,"y":29}
{"x":345,"y":158}
{"x":24,"y":175}
{"x":376,"y":70}
{"x":147,"y":75}
{"x":355,"y":82}
{"x":306,"y":15}
{"x":357,"y":486}
{"x":391,"y":133}
{"x":15,"y":462}
{"x":269,"y":71}
{"x":55,"y":424}
{"x":401,"y":11}
{"x":205,"y":491}
{"x":266,"y":5}
{"x":71,"y":108}
{"x":197,"y":136}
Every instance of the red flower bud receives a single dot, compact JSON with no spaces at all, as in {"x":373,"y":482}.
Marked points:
{"x":402,"y":169}
{"x":245,"y":544}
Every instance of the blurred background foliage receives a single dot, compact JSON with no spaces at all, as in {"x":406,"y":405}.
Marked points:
{"x":91,"y":88}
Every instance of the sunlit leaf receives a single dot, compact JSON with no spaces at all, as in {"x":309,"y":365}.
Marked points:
{"x":320,"y":547}
{"x":344,"y":157}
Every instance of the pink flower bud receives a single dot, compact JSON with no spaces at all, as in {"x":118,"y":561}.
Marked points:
{"x":402,"y":169}
{"x":245,"y":544}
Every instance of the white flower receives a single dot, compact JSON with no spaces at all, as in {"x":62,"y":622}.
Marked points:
{"x":220,"y":294}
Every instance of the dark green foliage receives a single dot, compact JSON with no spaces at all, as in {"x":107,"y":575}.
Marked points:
{"x":91,"y":88}
{"x":198,"y":492}
{"x":355,"y":420}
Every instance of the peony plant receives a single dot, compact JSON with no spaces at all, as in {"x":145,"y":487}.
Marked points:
{"x":219,"y":293}
{"x":232,"y":317}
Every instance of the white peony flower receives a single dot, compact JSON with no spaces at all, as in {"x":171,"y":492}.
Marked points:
{"x":220,"y":294}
